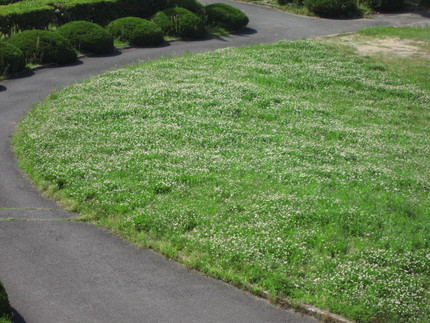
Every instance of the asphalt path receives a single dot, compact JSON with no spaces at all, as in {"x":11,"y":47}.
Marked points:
{"x":60,"y":271}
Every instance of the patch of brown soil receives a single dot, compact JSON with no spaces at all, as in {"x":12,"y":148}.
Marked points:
{"x":386,"y":46}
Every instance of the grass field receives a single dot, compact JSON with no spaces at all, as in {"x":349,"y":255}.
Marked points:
{"x":299,"y":168}
{"x":414,"y":67}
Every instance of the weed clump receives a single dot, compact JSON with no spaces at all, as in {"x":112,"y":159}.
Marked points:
{"x":226,"y":16}
{"x":43,"y":46}
{"x":87,"y":37}
{"x":136,"y":31}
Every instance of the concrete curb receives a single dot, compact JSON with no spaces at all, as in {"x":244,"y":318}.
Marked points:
{"x":322,"y":315}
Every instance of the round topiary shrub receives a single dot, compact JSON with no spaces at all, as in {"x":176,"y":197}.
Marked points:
{"x":226,"y":16}
{"x":43,"y":46}
{"x":384,"y":5}
{"x":11,"y":59}
{"x":136,"y":31}
{"x":332,"y":8}
{"x":180,"y":22}
{"x":191,"y":5}
{"x":87,"y":37}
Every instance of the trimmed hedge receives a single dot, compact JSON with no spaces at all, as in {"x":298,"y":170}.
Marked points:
{"x":140,"y":8}
{"x":332,"y":8}
{"x":425,"y":3}
{"x":96,"y":11}
{"x":226,"y":16}
{"x":24,"y":15}
{"x":284,"y":2}
{"x":136,"y":31}
{"x":5,"y":309}
{"x":38,"y":14}
{"x":11,"y":59}
{"x":384,"y":5}
{"x":87,"y":37}
{"x":191,"y":5}
{"x":180,"y":22}
{"x":5,"y":2}
{"x":43,"y":46}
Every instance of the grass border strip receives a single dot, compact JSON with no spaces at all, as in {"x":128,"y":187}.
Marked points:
{"x":320,"y":314}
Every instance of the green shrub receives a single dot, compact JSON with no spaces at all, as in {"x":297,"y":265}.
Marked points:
{"x":226,"y":16}
{"x":140,"y":8}
{"x":284,"y":2}
{"x":136,"y":31}
{"x":332,"y":8}
{"x":384,"y":5}
{"x":180,"y":22}
{"x":25,"y":15}
{"x":38,"y":14}
{"x":11,"y":59}
{"x":5,"y":309}
{"x":104,"y":11}
{"x":100,"y":11}
{"x":87,"y":37}
{"x":5,"y":2}
{"x":191,"y":5}
{"x":425,"y":3}
{"x":43,"y":46}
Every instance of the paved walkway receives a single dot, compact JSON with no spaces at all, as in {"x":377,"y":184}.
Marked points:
{"x":60,"y":271}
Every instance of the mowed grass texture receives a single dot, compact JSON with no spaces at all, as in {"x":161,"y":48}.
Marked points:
{"x":292,"y":168}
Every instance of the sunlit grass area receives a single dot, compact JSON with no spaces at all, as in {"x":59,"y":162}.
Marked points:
{"x":417,"y":67}
{"x":297,"y":168}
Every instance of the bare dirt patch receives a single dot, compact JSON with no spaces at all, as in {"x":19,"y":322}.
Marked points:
{"x":387,"y":46}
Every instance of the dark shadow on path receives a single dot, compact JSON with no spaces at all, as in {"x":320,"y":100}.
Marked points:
{"x":245,"y":32}
{"x":16,"y":317}
{"x":2,"y":88}
{"x":114,"y":53}
{"x":26,"y":73}
{"x":75,"y":63}
{"x":422,"y":13}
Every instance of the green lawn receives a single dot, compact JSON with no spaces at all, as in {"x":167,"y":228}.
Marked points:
{"x":297,"y":168}
{"x":415,"y":68}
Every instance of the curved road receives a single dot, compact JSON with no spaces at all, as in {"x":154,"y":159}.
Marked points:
{"x":60,"y":271}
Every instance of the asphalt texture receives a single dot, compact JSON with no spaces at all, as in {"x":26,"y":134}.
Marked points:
{"x":62,"y":271}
